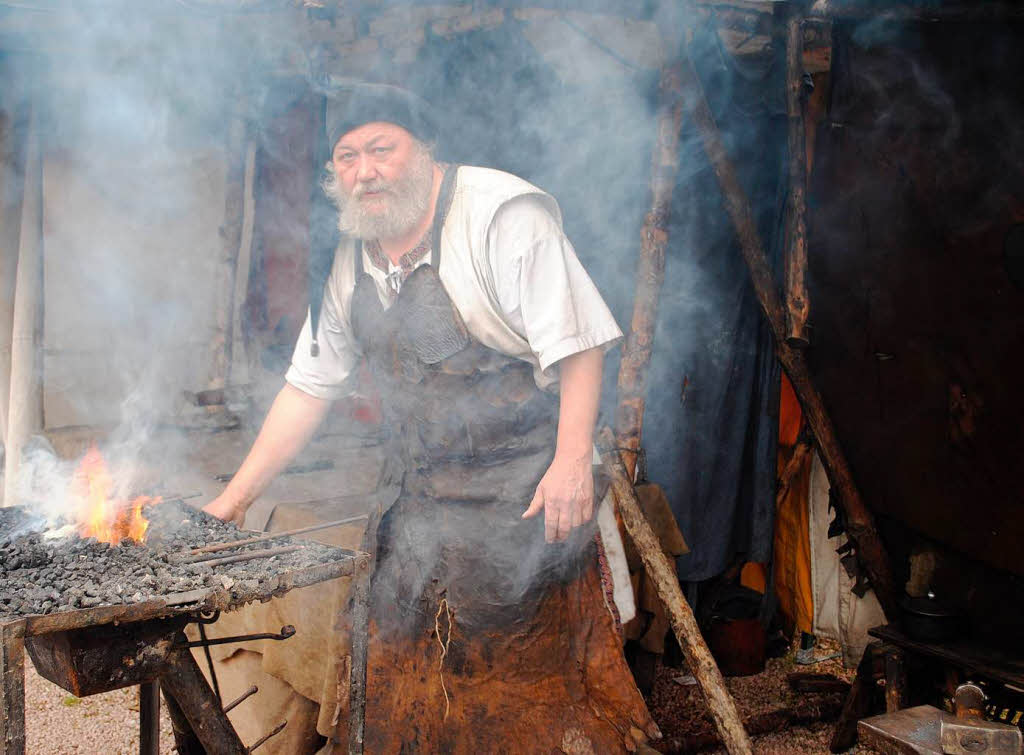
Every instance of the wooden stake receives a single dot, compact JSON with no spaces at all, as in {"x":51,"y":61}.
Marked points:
{"x":684,"y":624}
{"x":797,"y":303}
{"x":650,"y":273}
{"x":860,"y":524}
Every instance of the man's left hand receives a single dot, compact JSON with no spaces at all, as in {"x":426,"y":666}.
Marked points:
{"x":566,"y":493}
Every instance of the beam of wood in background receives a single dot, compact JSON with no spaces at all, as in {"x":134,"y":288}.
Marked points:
{"x":797,"y":304}
{"x":242,"y":359}
{"x":860,"y":524}
{"x":684,"y":624}
{"x":222,"y":343}
{"x":25,"y":407}
{"x":650,"y":273}
{"x":8,"y":258}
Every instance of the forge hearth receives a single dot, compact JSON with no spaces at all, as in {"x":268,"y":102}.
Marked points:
{"x":96,"y":617}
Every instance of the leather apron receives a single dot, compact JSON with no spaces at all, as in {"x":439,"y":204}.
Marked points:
{"x":462,"y":586}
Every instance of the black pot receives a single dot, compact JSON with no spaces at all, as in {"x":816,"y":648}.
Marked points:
{"x":928,"y":619}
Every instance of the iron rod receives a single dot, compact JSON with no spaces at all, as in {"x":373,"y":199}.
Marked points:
{"x":268,"y":536}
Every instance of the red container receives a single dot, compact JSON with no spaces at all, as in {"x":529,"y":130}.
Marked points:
{"x":738,"y":646}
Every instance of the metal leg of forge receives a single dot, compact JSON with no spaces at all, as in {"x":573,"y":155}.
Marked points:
{"x":360,"y":619}
{"x":12,"y":688}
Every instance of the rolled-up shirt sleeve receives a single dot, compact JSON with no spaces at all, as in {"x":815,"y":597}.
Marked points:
{"x":325,"y":376}
{"x":542,"y":289}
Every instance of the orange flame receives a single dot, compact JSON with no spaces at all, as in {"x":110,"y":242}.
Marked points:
{"x":98,"y":514}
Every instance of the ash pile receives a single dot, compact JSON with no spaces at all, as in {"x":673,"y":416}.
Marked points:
{"x":43,"y":570}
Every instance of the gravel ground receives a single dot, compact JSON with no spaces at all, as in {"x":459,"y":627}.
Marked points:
{"x":56,"y":722}
{"x":680,"y":710}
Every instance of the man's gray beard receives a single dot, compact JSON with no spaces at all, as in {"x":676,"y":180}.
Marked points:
{"x":407,"y":201}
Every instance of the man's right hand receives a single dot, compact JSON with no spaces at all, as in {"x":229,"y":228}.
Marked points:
{"x":226,"y":509}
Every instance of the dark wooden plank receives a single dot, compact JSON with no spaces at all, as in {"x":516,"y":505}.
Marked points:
{"x":985,"y":662}
{"x":895,"y":680}
{"x":12,"y":688}
{"x":858,"y":701}
{"x":184,"y":738}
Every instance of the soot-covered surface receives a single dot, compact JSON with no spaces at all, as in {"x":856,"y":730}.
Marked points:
{"x":41,"y":575}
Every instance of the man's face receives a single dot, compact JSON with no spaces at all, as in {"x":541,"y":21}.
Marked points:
{"x":382,"y":181}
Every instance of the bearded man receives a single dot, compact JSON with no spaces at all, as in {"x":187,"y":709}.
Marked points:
{"x":489,"y":631}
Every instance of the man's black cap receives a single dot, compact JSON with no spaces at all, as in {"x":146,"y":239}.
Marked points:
{"x":368,"y":103}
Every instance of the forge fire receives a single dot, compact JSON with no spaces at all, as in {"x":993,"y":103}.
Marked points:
{"x":43,"y":574}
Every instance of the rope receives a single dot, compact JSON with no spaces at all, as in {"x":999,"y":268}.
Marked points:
{"x":443,"y":606}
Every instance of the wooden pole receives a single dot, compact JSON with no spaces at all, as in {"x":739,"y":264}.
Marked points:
{"x":684,"y":624}
{"x":25,"y":406}
{"x":797,"y":303}
{"x":222,"y":343}
{"x":650,"y":273}
{"x":185,"y":684}
{"x":860,"y":524}
{"x":9,"y":206}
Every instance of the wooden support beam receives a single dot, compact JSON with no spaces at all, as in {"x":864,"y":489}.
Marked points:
{"x":231,"y":233}
{"x":10,"y":206}
{"x":12,"y":688}
{"x":797,"y":302}
{"x":860,"y":524}
{"x":650,"y":273}
{"x":684,"y":624}
{"x":25,"y":407}
{"x":895,"y":680}
{"x":185,"y":683}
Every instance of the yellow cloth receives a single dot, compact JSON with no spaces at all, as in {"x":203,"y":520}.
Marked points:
{"x":792,"y":569}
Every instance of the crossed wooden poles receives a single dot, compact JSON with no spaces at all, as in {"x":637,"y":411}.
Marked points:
{"x":682,"y":95}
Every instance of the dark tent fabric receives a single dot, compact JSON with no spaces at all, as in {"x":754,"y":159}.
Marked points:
{"x":711,"y":422}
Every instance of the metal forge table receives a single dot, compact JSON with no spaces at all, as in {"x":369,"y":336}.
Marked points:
{"x":109,"y":647}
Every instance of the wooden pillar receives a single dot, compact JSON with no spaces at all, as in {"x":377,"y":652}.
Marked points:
{"x":25,"y":407}
{"x":895,"y":680}
{"x":860,"y":524}
{"x":698,"y":657}
{"x":9,"y":213}
{"x":12,"y":688}
{"x":797,"y":302}
{"x":222,"y":343}
{"x":650,"y":273}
